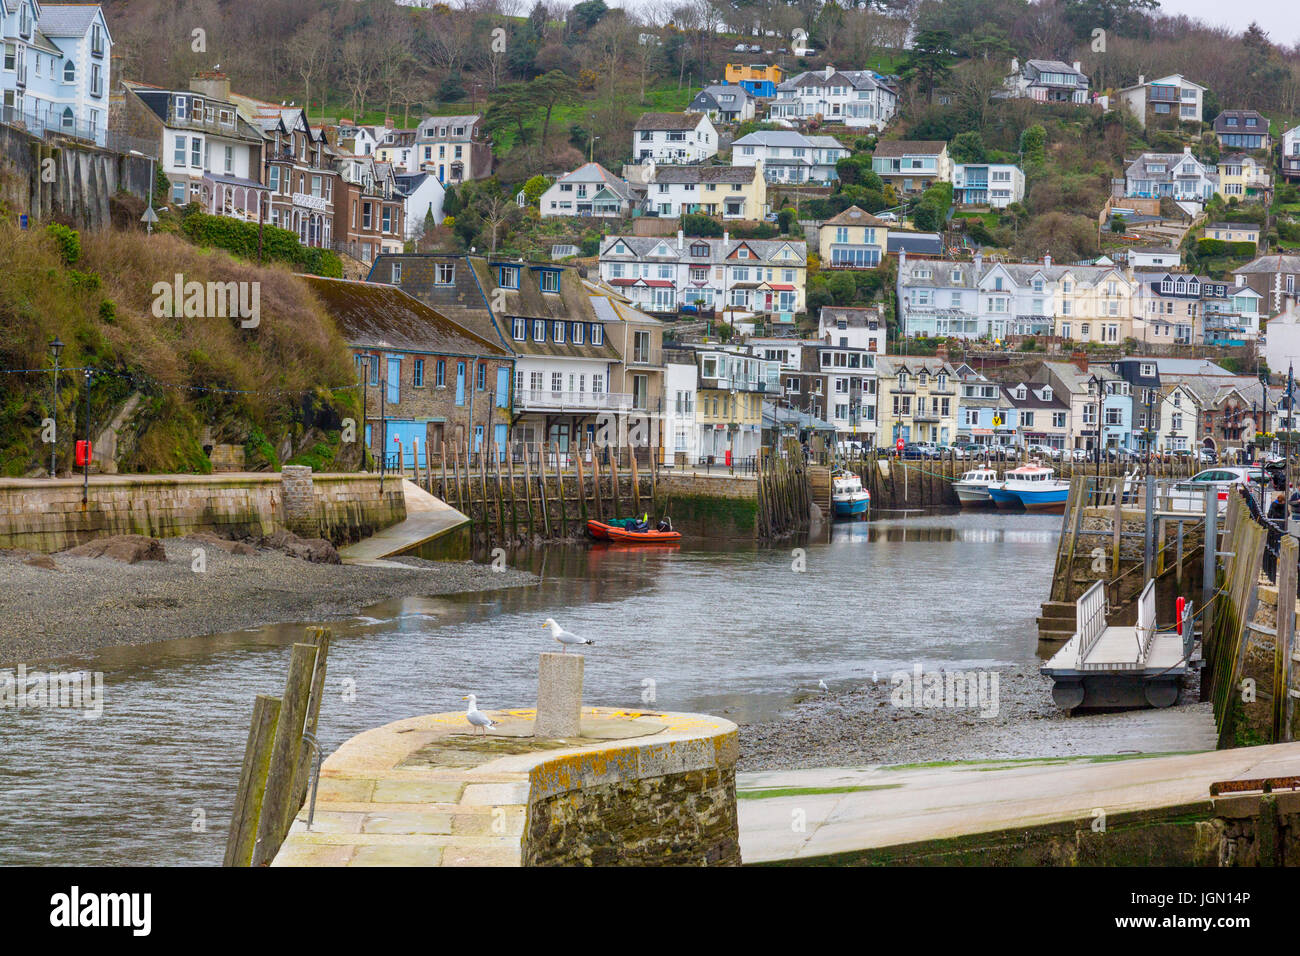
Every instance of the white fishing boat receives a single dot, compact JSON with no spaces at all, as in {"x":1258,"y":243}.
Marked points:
{"x":973,"y":487}
{"x":848,"y":498}
{"x":1033,"y":488}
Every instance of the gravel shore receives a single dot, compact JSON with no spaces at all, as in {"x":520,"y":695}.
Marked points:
{"x":88,"y":603}
{"x":863,"y":725}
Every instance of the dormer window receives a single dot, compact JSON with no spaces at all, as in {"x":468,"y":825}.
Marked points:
{"x":1020,"y":393}
{"x":699,"y":250}
{"x":597,"y":335}
{"x":539,"y":330}
{"x":508,"y":277}
{"x":742,"y":253}
{"x":557,"y":332}
{"x":1047,"y":393}
{"x":577,"y":333}
{"x":923,"y":380}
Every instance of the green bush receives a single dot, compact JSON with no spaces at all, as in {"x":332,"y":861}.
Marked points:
{"x":68,"y":241}
{"x":698,"y":224}
{"x":278,"y":245}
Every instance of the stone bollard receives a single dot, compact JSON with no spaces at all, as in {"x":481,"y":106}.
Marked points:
{"x":301,"y":514}
{"x":559,"y":695}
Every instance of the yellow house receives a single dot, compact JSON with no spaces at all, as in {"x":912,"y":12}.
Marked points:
{"x":758,"y":78}
{"x":727,"y":192}
{"x":1243,"y":177}
{"x":1231,"y":231}
{"x":729,"y":401}
{"x":917,"y":400}
{"x":1095,"y":304}
{"x":854,"y":239}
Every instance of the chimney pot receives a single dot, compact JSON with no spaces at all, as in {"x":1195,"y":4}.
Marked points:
{"x":1047,"y":259}
{"x":1080,"y":360}
{"x":1142,"y":79}
{"x":1078,"y":66}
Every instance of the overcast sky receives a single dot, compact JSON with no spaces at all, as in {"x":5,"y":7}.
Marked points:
{"x":1278,"y":17}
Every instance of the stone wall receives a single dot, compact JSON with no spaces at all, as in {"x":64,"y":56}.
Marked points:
{"x":74,"y":187}
{"x":715,"y":506}
{"x":662,"y":805}
{"x":48,"y":515}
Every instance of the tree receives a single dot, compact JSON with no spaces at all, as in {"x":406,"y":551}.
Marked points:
{"x":310,"y":50}
{"x":534,"y":188}
{"x":586,"y":15}
{"x":1126,"y":16}
{"x":968,"y":148}
{"x":1033,"y":143}
{"x":549,"y":91}
{"x":929,"y":62}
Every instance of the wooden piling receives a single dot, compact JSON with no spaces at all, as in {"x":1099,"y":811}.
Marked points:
{"x":321,"y":637}
{"x":582,"y":487}
{"x":501,"y":499}
{"x":615,"y":492}
{"x":252,"y":782}
{"x":595,"y":484}
{"x":528,"y":492}
{"x":541,"y":468}
{"x":275,"y":816}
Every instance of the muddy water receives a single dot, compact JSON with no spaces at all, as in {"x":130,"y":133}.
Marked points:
{"x":738,"y":632}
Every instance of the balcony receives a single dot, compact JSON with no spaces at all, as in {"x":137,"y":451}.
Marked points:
{"x":190,"y":121}
{"x":543,"y":400}
{"x":645,"y":358}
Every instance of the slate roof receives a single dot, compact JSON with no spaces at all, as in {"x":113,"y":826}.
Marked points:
{"x":668,"y":121}
{"x":704,"y":174}
{"x":858,"y":79}
{"x":855,"y":216}
{"x":67,"y":19}
{"x":642,"y":247}
{"x":378,"y":316}
{"x":910,"y":147}
{"x":1269,"y":265}
{"x":1221,"y":122}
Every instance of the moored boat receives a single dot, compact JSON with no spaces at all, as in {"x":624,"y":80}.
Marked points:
{"x":604,"y":531}
{"x":973,"y":487}
{"x":1033,"y":488}
{"x":848,"y":498}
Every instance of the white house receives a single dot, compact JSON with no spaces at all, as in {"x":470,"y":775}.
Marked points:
{"x":1155,"y":258}
{"x":1177,"y":175}
{"x":589,"y":190}
{"x":424,"y":197}
{"x":859,"y":99}
{"x":790,"y":157}
{"x":987,"y":184}
{"x":1047,"y":81}
{"x":674,"y":138}
{"x":852,"y":327}
{"x":747,"y":276}
{"x":724,"y":103}
{"x":681,"y":388}
{"x":1177,"y":425}
{"x":54,"y":72}
{"x":1291,"y":154}
{"x":1172,"y":96}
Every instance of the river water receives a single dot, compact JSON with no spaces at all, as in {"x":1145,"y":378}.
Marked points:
{"x":738,"y":632}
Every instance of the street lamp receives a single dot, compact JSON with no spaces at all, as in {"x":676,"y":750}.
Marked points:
{"x":56,"y":347}
{"x":365,"y":389}
{"x":85,"y":461}
{"x":1097,"y":383}
{"x":149,"y":217}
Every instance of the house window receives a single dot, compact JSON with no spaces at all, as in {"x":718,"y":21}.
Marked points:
{"x":509,"y":277}
{"x":417,"y":375}
{"x":440,"y":373}
{"x":520,"y":329}
{"x":480,"y":377}
{"x":539,"y":330}
{"x":196,"y":151}
{"x":597,"y":335}
{"x":396,"y":272}
{"x":577,"y":333}
{"x":557,"y":332}
{"x":444,"y":273}
{"x":550,"y":280}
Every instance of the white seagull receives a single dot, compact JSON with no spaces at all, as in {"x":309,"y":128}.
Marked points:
{"x":821,"y":685}
{"x":475,"y":716}
{"x":565,"y":638}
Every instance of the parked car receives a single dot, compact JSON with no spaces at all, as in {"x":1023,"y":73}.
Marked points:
{"x":740,"y":48}
{"x":887,"y":217}
{"x":1079,"y":454}
{"x":1188,"y":495}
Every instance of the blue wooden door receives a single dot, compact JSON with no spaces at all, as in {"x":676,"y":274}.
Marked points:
{"x":460,"y":383}
{"x":499,"y":438}
{"x":394,"y":380}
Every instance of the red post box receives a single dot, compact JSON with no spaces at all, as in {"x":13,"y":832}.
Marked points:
{"x":85,"y":454}
{"x":728,"y":457}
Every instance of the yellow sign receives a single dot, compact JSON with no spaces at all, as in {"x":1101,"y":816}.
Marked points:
{"x":997,"y":421}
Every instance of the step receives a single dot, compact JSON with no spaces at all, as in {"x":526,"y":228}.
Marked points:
{"x":1055,"y":623}
{"x":1061,"y":611}
{"x":1058,"y":605}
{"x":1055,"y":637}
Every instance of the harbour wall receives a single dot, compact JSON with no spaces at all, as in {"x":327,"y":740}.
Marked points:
{"x":1236,"y":830}
{"x":48,"y":514}
{"x":709,"y":506}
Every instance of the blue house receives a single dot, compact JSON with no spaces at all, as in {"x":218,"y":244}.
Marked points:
{"x":54,"y":70}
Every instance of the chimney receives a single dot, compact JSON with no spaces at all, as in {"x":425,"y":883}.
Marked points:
{"x":680,"y":236}
{"x":726,"y":239}
{"x":1078,"y":66}
{"x":1015,"y":64}
{"x":979,"y":262}
{"x":830,"y":71}
{"x":1187,"y":150}
{"x":211,"y":83}
{"x":1047,"y":261}
{"x":1142,"y":79}
{"x":1080,"y":360}
{"x":902,"y":258}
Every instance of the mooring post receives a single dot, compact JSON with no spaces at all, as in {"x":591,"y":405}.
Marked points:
{"x":252,"y":782}
{"x":1210,"y":552}
{"x":559,"y":695}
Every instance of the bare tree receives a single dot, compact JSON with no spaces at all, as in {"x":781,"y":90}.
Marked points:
{"x":309,"y":50}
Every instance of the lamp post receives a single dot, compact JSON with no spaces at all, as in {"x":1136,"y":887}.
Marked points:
{"x":365,"y":390}
{"x":56,"y":347}
{"x":1096,"y":383}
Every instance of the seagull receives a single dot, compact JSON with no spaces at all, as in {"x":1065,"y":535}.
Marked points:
{"x":565,"y":638}
{"x":475,"y":716}
{"x":821,"y":685}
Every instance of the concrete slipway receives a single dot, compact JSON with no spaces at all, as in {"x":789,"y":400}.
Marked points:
{"x":846,"y":811}
{"x":427,"y":518}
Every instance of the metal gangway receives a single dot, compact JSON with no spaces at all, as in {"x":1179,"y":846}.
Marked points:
{"x":1105,"y":665}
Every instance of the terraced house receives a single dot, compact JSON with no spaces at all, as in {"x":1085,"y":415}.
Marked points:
{"x":916,"y":400}
{"x":54,"y":70}
{"x":859,"y":99}
{"x":453,"y":148}
{"x":996,"y":300}
{"x":744,"y":277}
{"x":789,"y":156}
{"x":543,"y":315}
{"x":729,"y":412}
{"x":203,"y":141}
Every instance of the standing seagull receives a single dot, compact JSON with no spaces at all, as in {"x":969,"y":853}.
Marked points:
{"x":476,"y":717}
{"x":564,"y":637}
{"x":821,"y":685}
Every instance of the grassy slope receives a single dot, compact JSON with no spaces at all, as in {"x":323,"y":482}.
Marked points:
{"x":101,"y":309}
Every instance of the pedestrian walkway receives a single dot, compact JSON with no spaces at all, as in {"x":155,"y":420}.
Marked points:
{"x":427,"y":518}
{"x":842,"y":810}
